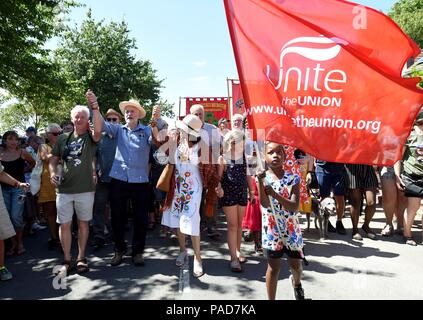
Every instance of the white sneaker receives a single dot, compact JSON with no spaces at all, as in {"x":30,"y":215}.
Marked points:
{"x":180,"y":260}
{"x":36,"y":226}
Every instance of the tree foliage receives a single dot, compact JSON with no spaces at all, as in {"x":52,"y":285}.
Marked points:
{"x":408,"y":14}
{"x":25,"y":26}
{"x":99,"y":56}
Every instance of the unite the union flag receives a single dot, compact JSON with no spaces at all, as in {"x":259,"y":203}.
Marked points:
{"x":325,"y":76}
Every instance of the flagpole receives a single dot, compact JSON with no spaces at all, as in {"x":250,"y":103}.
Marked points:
{"x":230,"y":101}
{"x":179,"y":116}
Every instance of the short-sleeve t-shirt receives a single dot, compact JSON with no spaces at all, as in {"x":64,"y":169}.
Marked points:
{"x":77,"y":166}
{"x":413,"y":155}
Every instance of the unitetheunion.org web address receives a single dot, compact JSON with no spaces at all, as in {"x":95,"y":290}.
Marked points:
{"x":323,"y":122}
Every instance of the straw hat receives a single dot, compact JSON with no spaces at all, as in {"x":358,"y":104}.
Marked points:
{"x":132,"y":103}
{"x":191,"y":124}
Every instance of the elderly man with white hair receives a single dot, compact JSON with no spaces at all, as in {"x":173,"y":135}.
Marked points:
{"x":75,"y":185}
{"x":130,"y":177}
{"x":214,"y":142}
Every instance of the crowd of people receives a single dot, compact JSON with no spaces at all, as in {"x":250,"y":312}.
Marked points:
{"x":97,"y":170}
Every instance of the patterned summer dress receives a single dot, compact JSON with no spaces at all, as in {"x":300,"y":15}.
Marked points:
{"x":185,"y":210}
{"x":282,"y":221}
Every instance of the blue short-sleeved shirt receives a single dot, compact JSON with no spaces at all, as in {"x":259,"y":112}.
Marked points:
{"x":132,"y":152}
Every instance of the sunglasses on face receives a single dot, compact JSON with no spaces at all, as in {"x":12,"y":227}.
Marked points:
{"x":55,"y":133}
{"x":112,"y":119}
{"x":419,"y":123}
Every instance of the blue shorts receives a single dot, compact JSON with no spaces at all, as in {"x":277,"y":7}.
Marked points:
{"x":330,"y":181}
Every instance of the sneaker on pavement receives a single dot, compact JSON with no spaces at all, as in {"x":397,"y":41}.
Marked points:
{"x":369,"y":233}
{"x":37,"y":227}
{"x":356,"y":235}
{"x":340,"y":227}
{"x":117,"y":258}
{"x":138,"y":259}
{"x":5,"y":274}
{"x":331,"y":228}
{"x":298,"y":290}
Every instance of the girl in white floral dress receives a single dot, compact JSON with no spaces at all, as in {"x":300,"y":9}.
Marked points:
{"x":281,"y":232}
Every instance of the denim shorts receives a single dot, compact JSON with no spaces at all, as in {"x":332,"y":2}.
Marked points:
{"x":387,"y":173}
{"x":330,"y":181}
{"x":14,"y":199}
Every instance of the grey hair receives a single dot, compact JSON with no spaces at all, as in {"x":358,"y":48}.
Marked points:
{"x":79,"y":108}
{"x":53,"y":127}
{"x":195,"y":107}
{"x":233,"y":135}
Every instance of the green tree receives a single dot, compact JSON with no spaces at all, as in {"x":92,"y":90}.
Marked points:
{"x":408,"y":14}
{"x":99,"y":56}
{"x":25,"y":26}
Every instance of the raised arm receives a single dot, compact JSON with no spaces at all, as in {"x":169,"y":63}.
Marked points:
{"x":97,"y":117}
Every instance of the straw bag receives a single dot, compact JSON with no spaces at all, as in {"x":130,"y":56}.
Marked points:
{"x":165,"y":178}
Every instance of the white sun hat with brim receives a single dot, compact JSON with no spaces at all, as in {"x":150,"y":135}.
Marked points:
{"x":191,"y":125}
{"x":132,"y":103}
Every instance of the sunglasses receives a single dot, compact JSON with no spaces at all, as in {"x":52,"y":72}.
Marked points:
{"x":419,"y":123}
{"x":55,"y":133}
{"x":112,"y":119}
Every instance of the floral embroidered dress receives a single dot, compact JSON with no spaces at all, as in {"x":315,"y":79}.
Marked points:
{"x":281,"y":229}
{"x":184,"y":213}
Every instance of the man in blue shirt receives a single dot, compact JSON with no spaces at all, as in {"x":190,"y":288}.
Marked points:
{"x":129,"y":175}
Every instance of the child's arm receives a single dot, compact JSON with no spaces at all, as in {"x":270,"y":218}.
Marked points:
{"x":290,"y":204}
{"x":250,"y":181}
{"x":264,"y":199}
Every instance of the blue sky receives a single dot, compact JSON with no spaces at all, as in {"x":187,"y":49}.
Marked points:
{"x":186,"y":40}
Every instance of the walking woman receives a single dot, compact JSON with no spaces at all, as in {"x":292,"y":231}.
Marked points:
{"x":47,"y":195}
{"x":192,"y":173}
{"x":6,"y":227}
{"x":235,"y":184}
{"x":361,"y":179}
{"x":13,"y":159}
{"x":409,"y":177}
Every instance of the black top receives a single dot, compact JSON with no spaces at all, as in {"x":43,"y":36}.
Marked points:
{"x":15,"y":169}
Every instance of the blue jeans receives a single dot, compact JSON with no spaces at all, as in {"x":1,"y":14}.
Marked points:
{"x":14,"y":199}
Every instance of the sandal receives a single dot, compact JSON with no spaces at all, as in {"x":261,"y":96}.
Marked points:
{"x":64,"y":270}
{"x":82,"y":266}
{"x":388,"y":230}
{"x":410,"y":241}
{"x":198,"y":269}
{"x":241,"y":258}
{"x":236,"y":266}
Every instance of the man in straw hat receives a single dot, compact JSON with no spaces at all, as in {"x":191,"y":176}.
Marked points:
{"x":106,"y":151}
{"x":129,"y":175}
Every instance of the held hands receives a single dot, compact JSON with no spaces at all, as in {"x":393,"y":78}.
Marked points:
{"x":54,"y":180}
{"x":219,"y":191}
{"x":92,"y":99}
{"x":24,"y":186}
{"x":156,"y":112}
{"x":261,"y":174}
{"x":400,"y":183}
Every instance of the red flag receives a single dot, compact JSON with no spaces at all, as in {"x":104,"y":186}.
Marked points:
{"x":214,"y":108}
{"x":314,"y":80}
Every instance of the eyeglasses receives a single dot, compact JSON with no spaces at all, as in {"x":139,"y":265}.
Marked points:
{"x":55,"y":133}
{"x":112,"y":119}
